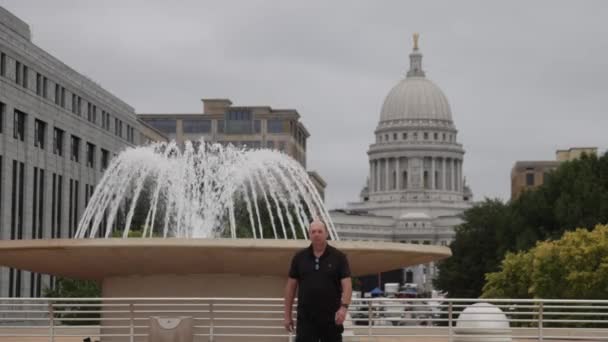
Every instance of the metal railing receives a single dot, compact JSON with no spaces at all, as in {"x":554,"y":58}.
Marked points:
{"x":242,"y":319}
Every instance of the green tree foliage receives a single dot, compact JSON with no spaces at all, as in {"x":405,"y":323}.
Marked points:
{"x":69,"y":288}
{"x":574,"y":195}
{"x":475,"y":250}
{"x":574,"y":267}
{"x":244,"y":226}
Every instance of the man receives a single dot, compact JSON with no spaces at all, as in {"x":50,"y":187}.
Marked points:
{"x":321,"y":275}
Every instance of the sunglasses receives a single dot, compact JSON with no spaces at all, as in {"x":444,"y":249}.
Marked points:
{"x":316,"y":264}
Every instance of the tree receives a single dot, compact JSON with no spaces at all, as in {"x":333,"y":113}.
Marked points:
{"x":69,"y":288}
{"x":574,"y":267}
{"x":243,"y":220}
{"x":574,"y":195}
{"x":475,"y":250}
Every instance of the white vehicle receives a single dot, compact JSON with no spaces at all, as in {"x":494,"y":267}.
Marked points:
{"x":391,"y":289}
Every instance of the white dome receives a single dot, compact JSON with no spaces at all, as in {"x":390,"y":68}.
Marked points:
{"x":416,"y":98}
{"x":482,"y":315}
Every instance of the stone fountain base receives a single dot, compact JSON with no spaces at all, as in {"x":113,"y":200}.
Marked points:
{"x":196,"y":268}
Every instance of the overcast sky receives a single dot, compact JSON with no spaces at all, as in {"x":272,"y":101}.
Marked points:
{"x":524,"y":78}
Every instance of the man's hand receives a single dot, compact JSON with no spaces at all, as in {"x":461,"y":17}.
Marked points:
{"x":288,"y":323}
{"x":341,"y":315}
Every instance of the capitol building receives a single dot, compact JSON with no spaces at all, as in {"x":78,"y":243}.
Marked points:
{"x":415,"y":191}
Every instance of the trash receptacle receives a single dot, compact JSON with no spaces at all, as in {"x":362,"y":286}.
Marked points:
{"x":170,"y":329}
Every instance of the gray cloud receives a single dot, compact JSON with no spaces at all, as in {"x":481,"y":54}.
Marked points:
{"x":523,"y":78}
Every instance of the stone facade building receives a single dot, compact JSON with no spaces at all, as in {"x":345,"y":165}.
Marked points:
{"x":416,"y":190}
{"x":58,"y":132}
{"x":251,"y":126}
{"x":527,"y":175}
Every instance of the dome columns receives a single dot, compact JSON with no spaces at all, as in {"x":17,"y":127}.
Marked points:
{"x":402,"y":173}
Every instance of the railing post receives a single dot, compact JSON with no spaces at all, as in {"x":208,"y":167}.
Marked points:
{"x":51,"y":322}
{"x":131,"y":323}
{"x":540,"y":322}
{"x":369,"y":318}
{"x":450,"y":337}
{"x":211,"y":322}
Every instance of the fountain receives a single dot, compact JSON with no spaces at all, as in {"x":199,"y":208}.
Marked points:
{"x":198,"y":201}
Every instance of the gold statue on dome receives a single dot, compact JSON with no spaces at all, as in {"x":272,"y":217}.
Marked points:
{"x":416,"y":36}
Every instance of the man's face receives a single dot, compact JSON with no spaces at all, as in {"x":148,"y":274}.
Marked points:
{"x":318,"y":232}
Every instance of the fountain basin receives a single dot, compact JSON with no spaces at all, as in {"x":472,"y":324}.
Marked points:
{"x":176,"y":267}
{"x":98,"y":259}
{"x":196,"y":268}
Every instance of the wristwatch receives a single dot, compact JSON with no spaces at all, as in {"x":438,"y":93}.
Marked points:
{"x":344,"y":305}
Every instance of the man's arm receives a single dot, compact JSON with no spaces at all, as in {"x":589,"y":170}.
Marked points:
{"x":290,"y":293}
{"x":347,"y":290}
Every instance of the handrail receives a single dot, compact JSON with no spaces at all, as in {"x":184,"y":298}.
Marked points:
{"x":127,"y":319}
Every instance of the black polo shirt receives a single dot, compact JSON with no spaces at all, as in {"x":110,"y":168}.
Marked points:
{"x":319,"y":287}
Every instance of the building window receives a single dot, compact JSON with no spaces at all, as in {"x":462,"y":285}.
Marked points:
{"x":39,"y":133}
{"x":404,"y":136}
{"x":19,"y":125}
{"x":529,"y":179}
{"x":386,"y":137}
{"x":167,"y":126}
{"x":2,"y":115}
{"x":257,"y":126}
{"x":63,"y":97}
{"x":394,"y":136}
{"x":17,"y":72}
{"x":239,"y":115}
{"x":38,"y":204}
{"x":105,"y":120}
{"x":25,"y":77}
{"x":75,"y":148}
{"x":196,"y":126}
{"x":38,"y":84}
{"x":220,"y":126}
{"x":443,"y":136}
{"x":105,"y":159}
{"x":73,"y":207}
{"x":45,"y":84}
{"x":79,"y":102}
{"x":57,"y":94}
{"x":74,"y":104}
{"x":275,"y":126}
{"x":426,"y":135}
{"x":90,"y":155}
{"x":58,"y":141}
{"x":91,"y":112}
{"x":56,"y":203}
{"x":2,"y":64}
{"x":117,"y":127}
{"x":239,"y":121}
{"x":435,"y":136}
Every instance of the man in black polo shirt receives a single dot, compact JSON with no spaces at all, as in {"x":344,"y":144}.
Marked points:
{"x":321,"y":275}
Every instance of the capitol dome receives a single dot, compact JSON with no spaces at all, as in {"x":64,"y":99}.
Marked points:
{"x":415,"y":97}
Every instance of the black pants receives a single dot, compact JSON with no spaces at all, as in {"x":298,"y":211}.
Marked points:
{"x":316,"y":329}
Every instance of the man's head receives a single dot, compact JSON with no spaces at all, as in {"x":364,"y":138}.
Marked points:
{"x":318,"y":232}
